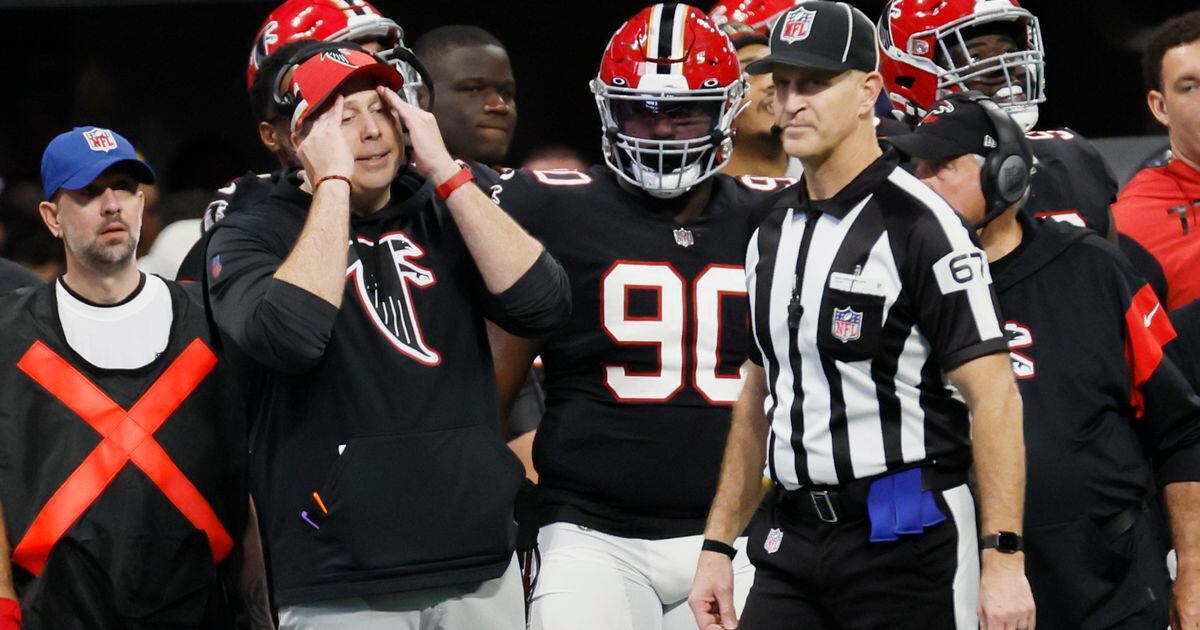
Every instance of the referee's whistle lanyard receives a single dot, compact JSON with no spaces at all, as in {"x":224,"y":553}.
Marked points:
{"x":896,"y":503}
{"x":795,"y":308}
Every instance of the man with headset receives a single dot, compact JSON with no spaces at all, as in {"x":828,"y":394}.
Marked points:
{"x":1107,"y":416}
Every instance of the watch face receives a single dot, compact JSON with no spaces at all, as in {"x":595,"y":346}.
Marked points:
{"x":1008,"y":542}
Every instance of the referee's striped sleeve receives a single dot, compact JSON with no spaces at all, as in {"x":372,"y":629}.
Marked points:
{"x":957,"y":309}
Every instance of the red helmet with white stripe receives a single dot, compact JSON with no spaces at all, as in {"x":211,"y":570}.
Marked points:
{"x":324,"y":20}
{"x":758,"y":14}
{"x":668,"y":90}
{"x":926,"y":55}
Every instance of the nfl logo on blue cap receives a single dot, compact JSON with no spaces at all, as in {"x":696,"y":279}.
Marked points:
{"x":76,"y":158}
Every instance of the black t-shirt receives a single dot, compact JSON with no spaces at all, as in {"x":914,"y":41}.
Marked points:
{"x":640,"y":381}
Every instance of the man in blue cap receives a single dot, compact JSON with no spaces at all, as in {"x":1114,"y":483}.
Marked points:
{"x":121,"y":472}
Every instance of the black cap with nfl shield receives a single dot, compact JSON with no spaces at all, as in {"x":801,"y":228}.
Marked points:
{"x":821,"y":35}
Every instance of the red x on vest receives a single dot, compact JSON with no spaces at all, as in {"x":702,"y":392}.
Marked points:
{"x":127,"y":437}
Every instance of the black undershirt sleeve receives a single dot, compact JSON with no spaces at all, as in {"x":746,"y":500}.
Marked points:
{"x":537,"y":304}
{"x":280,"y":325}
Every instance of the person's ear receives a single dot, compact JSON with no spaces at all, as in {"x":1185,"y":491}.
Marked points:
{"x":266,"y":134}
{"x":49,"y":212}
{"x":872,"y":85}
{"x":1158,"y":106}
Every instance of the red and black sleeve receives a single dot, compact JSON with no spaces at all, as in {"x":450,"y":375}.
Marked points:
{"x":1164,"y":403}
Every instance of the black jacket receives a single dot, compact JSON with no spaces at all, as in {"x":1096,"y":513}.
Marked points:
{"x":1107,"y":415}
{"x":384,"y":408}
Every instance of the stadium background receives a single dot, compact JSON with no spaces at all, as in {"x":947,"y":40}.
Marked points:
{"x":170,"y":74}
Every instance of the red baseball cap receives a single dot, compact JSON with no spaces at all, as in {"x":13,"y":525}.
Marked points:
{"x":316,"y":80}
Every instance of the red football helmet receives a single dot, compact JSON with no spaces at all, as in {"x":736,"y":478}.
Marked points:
{"x":758,"y":14}
{"x":668,"y":89}
{"x":925,"y":54}
{"x":335,"y":21}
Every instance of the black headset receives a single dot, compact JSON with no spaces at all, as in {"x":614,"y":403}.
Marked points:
{"x":285,"y":100}
{"x":1008,"y":169}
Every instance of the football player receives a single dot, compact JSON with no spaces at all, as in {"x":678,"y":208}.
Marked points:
{"x":640,"y":381}
{"x":995,"y":47}
{"x":292,"y":22}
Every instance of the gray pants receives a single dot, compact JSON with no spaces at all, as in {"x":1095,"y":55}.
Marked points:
{"x":497,"y":604}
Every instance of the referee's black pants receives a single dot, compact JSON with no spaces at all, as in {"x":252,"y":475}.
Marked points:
{"x":824,"y":575}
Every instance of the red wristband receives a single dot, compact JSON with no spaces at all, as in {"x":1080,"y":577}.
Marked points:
{"x":329,"y":177}
{"x":447,"y":187}
{"x":10,"y":614}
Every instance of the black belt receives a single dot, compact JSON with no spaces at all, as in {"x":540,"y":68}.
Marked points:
{"x":1119,"y":524}
{"x":831,"y":504}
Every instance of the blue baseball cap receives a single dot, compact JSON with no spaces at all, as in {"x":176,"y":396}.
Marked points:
{"x":76,"y":158}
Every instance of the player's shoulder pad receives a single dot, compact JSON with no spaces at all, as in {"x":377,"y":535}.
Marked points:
{"x":236,"y":194}
{"x":1066,"y":145}
{"x":1063,"y":141}
{"x":1062,"y":134}
{"x":1084,"y":242}
{"x":761,"y":183}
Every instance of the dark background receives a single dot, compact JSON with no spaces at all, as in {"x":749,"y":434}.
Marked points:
{"x":170,"y":75}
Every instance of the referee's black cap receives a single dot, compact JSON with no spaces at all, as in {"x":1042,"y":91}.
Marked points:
{"x":821,"y":35}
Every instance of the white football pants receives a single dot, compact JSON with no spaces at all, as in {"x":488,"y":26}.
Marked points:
{"x":594,"y":581}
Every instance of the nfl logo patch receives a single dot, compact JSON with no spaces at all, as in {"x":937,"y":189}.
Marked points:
{"x":216,"y":266}
{"x":684,"y":237}
{"x":774,"y":539}
{"x":100,"y":140}
{"x":847,"y":324}
{"x":797,"y":24}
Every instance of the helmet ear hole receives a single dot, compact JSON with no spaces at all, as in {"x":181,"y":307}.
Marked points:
{"x":906,"y":82}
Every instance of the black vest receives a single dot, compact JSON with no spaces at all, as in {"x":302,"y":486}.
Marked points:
{"x":126,"y":530}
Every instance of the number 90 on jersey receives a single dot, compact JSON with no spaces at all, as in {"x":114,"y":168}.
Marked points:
{"x":667,"y":330}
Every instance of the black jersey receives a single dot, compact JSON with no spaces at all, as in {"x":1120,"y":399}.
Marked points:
{"x":1071,"y":181}
{"x":243,"y":192}
{"x":639,"y":383}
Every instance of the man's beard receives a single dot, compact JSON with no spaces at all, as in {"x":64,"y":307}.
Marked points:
{"x":101,"y":257}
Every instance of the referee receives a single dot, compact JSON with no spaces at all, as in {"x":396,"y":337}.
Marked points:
{"x":872,"y":311}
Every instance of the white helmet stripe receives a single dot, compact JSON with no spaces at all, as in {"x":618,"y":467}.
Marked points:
{"x":653,"y":31}
{"x":677,"y":38}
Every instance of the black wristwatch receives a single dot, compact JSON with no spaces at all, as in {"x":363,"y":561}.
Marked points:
{"x":1004,"y":542}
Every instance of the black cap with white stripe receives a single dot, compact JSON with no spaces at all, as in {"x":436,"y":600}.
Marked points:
{"x":820,"y":35}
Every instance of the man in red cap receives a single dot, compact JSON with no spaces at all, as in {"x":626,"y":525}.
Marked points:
{"x":385,"y":489}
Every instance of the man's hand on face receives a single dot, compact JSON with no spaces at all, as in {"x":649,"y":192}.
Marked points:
{"x":430,"y":157}
{"x":324,"y":151}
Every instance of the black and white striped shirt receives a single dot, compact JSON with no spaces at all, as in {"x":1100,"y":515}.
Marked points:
{"x":891,"y":292}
